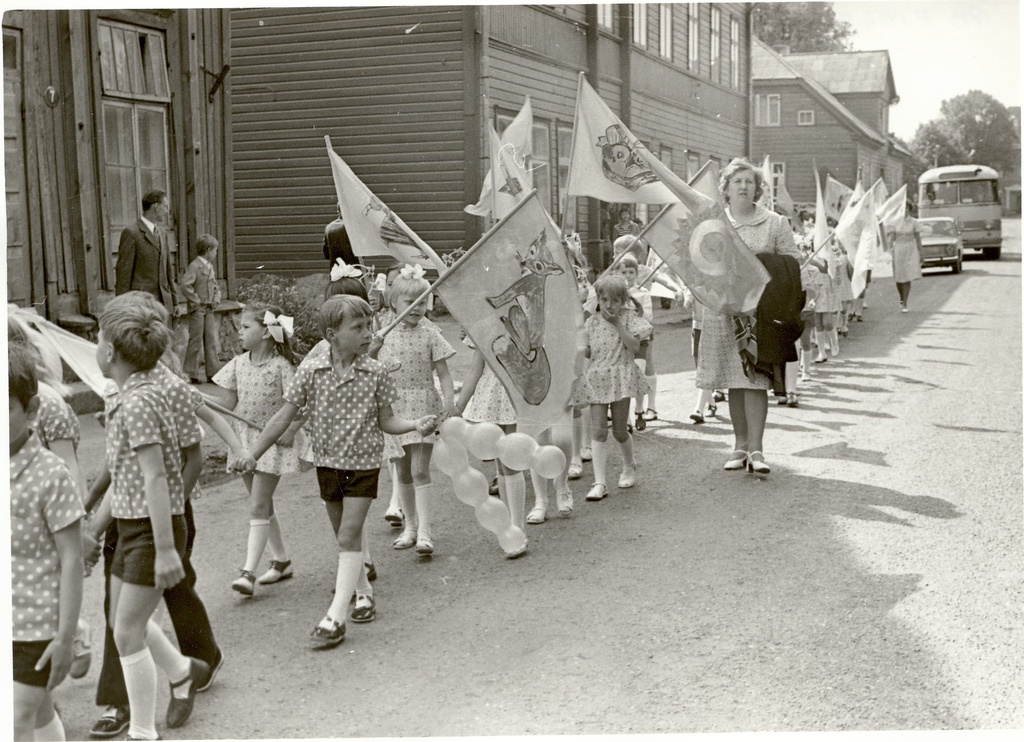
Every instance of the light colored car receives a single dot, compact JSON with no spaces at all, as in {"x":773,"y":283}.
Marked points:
{"x":941,"y":243}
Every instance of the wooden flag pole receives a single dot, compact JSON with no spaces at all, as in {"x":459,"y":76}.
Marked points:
{"x":636,"y":238}
{"x":572,"y":150}
{"x":448,"y":273}
{"x":650,"y":278}
{"x":222,"y":410}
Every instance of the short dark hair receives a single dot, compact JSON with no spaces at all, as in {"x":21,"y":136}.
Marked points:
{"x":205,"y":243}
{"x":22,"y":382}
{"x":152,"y":197}
{"x":339,"y":308}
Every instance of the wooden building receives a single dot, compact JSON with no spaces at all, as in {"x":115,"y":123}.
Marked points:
{"x":405,"y":94}
{"x":101,"y":106}
{"x":831,"y":109}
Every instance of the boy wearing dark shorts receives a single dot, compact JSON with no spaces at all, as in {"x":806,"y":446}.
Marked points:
{"x":147,"y":499}
{"x":348,"y":397}
{"x":46,"y":560}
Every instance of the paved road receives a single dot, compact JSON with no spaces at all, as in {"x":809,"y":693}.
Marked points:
{"x":873,"y":581}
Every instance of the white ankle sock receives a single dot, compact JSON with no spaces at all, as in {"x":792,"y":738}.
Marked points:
{"x":424,"y":493}
{"x":599,"y":450}
{"x":515,"y":492}
{"x":792,"y":371}
{"x":52,"y":731}
{"x":259,"y":532}
{"x":140,"y":683}
{"x":175,"y":665}
{"x":350,"y":565}
{"x":407,"y":499}
{"x":363,"y":583}
{"x":275,"y":541}
{"x":652,"y":396}
{"x":366,"y":545}
{"x":396,"y":489}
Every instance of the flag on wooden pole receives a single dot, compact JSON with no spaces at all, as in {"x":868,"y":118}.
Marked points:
{"x":608,"y":162}
{"x":836,"y":197}
{"x":514,"y":292}
{"x":767,"y":199}
{"x":373,"y":228}
{"x":513,"y":181}
{"x":519,"y":136}
{"x":703,"y":248}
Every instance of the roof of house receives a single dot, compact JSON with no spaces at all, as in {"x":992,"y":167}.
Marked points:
{"x":768,"y":64}
{"x":848,"y":72}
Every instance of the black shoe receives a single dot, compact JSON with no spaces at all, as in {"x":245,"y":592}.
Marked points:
{"x":179,"y":709}
{"x":194,"y":380}
{"x":326,"y":638}
{"x":371,"y":572}
{"x":493,"y":488}
{"x":364,"y":613}
{"x":207,"y":680}
{"x":641,"y":424}
{"x":115,"y":721}
{"x":718,"y":396}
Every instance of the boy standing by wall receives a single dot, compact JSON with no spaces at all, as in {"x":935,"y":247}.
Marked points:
{"x":200,"y":287}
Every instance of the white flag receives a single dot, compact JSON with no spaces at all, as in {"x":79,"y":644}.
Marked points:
{"x":519,"y":135}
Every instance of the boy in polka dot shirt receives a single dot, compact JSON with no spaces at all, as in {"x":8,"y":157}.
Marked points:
{"x":46,"y":560}
{"x":147,"y":498}
{"x":348,"y":397}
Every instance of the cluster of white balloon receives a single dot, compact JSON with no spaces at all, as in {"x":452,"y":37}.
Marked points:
{"x":486,"y":441}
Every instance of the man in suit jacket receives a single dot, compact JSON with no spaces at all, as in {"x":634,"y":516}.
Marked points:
{"x":143,"y":256}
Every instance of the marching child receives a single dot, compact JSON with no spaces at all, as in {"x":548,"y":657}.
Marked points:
{"x":46,"y":559}
{"x":629,"y":269}
{"x":349,"y":397}
{"x":613,"y":339}
{"x":421,"y":350}
{"x":200,"y":287}
{"x":254,"y":383}
{"x":148,"y":501}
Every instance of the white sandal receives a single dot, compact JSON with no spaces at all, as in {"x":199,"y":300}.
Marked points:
{"x":597,"y":492}
{"x":538,"y":515}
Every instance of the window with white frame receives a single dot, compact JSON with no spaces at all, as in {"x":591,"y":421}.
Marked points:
{"x":605,"y":15}
{"x":767,"y":110}
{"x":716,"y":44}
{"x":135,"y":109}
{"x":665,"y":29}
{"x":640,"y":24}
{"x":805,"y":118}
{"x":693,"y":36}
{"x":734,"y":51}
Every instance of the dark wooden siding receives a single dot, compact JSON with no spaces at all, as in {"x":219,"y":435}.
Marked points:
{"x":387,"y":84}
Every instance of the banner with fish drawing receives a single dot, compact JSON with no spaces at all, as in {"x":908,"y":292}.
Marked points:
{"x":514,"y":292}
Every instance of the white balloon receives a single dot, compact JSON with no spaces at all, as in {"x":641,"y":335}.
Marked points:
{"x":516,"y":451}
{"x":548,"y":461}
{"x":482,"y":440}
{"x":454,"y":429}
{"x":492,"y":514}
{"x":512,"y":539}
{"x":470,"y":487}
{"x":450,"y":457}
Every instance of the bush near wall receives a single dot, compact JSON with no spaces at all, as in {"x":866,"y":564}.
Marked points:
{"x":299,"y":298}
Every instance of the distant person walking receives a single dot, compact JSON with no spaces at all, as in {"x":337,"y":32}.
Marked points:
{"x":143,"y":255}
{"x":906,"y":255}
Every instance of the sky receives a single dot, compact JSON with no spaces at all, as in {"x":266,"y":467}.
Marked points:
{"x":940,"y":49}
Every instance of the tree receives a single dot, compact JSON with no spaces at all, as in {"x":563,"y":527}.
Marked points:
{"x":803,"y":27}
{"x":974,"y":128}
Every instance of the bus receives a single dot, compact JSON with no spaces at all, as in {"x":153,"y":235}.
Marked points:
{"x":969,"y":194}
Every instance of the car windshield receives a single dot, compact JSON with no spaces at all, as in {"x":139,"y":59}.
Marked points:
{"x":937,"y":229}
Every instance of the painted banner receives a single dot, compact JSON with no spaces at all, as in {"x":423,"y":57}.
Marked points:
{"x":514,"y":292}
{"x":519,"y":136}
{"x":373,"y":228}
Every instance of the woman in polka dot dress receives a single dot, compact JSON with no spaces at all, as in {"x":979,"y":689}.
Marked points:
{"x":255,"y":382}
{"x":415,"y":350}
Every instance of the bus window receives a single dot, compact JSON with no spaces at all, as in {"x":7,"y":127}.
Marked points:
{"x":978,"y":192}
{"x":938,"y":194}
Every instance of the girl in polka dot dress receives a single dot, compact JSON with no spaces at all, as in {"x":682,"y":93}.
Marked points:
{"x":614,"y":333}
{"x":255,"y":382}
{"x":416,"y":350}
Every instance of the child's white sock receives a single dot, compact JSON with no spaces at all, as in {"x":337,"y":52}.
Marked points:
{"x":540,"y":490}
{"x":140,"y":683}
{"x":275,"y":540}
{"x":175,"y":665}
{"x":424,"y":494}
{"x":515,"y":494}
{"x":792,"y":370}
{"x":599,"y":449}
{"x":396,"y":489}
{"x":259,"y":532}
{"x":350,"y":565}
{"x":652,"y":403}
{"x":407,"y":498}
{"x":627,"y":453}
{"x":52,"y":731}
{"x":363,"y":583}
{"x":366,"y":546}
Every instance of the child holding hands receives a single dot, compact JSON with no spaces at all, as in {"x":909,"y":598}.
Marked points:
{"x":349,"y":397}
{"x":46,"y":560}
{"x":614,"y":334}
